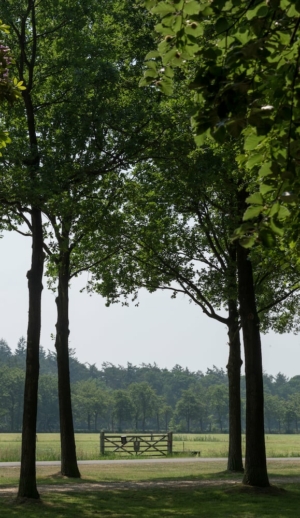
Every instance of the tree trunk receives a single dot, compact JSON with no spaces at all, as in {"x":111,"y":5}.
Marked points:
{"x":27,"y":484}
{"x":69,"y":466}
{"x":255,"y":465}
{"x":235,"y":461}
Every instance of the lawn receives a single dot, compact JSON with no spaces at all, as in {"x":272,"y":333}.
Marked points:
{"x":209,"y":501}
{"x":87,"y":446}
{"x":144,"y":503}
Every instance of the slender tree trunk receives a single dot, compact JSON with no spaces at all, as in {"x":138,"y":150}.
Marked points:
{"x":235,"y":461}
{"x":69,"y":466}
{"x":255,"y":465}
{"x":27,"y":484}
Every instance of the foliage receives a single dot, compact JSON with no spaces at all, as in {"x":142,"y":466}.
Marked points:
{"x":245,"y":67}
{"x":10,"y":88}
{"x":120,"y":398}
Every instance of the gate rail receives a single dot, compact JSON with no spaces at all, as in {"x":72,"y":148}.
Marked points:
{"x":154,"y":444}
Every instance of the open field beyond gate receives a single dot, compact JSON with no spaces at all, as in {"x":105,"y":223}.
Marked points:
{"x":88,"y":446}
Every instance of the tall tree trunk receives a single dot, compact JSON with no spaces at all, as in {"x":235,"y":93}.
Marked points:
{"x":27,"y":484}
{"x":235,"y":461}
{"x":69,"y":467}
{"x":255,"y":465}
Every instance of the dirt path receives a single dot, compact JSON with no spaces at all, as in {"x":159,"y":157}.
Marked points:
{"x":167,"y":484}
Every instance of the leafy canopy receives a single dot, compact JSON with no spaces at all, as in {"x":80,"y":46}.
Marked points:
{"x":10,"y":88}
{"x":244,"y":58}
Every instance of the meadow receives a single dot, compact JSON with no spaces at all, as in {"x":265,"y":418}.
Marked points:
{"x":88,"y":446}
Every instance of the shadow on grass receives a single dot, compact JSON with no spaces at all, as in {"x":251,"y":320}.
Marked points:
{"x":204,"y":502}
{"x":58,"y":478}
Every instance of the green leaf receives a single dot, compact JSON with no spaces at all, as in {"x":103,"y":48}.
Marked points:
{"x":165,"y":86}
{"x":265,"y":169}
{"x":255,"y":158}
{"x":274,"y":209}
{"x":247,"y":242}
{"x":163,"y":8}
{"x":283,"y":213}
{"x":259,"y":10}
{"x":177,"y":23}
{"x":221,"y":25}
{"x":150,"y":73}
{"x":151,"y":64}
{"x":275,"y":228}
{"x":152,"y":54}
{"x":255,"y":198}
{"x":252,"y":142}
{"x":264,"y":188}
{"x":194,"y":29}
{"x":220,"y":134}
{"x":145,"y":81}
{"x":191,"y":7}
{"x":267,"y":238}
{"x":252,"y":212}
{"x":169,"y":56}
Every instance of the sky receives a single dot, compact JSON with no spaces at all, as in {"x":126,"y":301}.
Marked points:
{"x":161,"y":329}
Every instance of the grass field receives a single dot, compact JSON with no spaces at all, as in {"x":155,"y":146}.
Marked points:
{"x":207,"y":501}
{"x":87,"y":446}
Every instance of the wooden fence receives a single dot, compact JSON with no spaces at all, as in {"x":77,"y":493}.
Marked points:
{"x":152,"y":444}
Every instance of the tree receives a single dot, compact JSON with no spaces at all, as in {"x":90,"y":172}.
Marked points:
{"x":5,"y":352}
{"x":187,"y":407}
{"x":77,"y":134}
{"x":143,"y":398}
{"x":176,"y":236}
{"x":219,"y":402}
{"x":11,"y":395}
{"x":246,"y":83}
{"x":122,"y":407}
{"x":48,"y":412}
{"x":90,"y":400}
{"x":230,"y":95}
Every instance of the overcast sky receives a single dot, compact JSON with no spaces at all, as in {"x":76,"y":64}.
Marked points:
{"x":160,"y":330}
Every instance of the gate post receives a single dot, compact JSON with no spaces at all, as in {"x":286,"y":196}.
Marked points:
{"x":102,"y":443}
{"x":170,"y":443}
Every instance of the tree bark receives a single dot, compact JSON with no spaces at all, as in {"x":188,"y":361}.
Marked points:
{"x":255,"y":464}
{"x":27,"y":483}
{"x":235,"y":461}
{"x":69,"y":467}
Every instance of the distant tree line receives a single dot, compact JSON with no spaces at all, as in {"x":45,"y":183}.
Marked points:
{"x":144,"y":397}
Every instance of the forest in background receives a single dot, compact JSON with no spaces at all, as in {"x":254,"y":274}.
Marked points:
{"x":145,"y":397}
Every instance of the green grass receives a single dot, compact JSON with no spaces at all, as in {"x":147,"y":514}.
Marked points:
{"x":209,"y":502}
{"x":201,"y":502}
{"x":129,"y":472}
{"x":87,"y":445}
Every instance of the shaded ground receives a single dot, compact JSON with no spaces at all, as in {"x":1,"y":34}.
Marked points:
{"x":166,"y":484}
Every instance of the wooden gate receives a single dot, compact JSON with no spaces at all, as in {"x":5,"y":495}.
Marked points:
{"x":152,"y":444}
